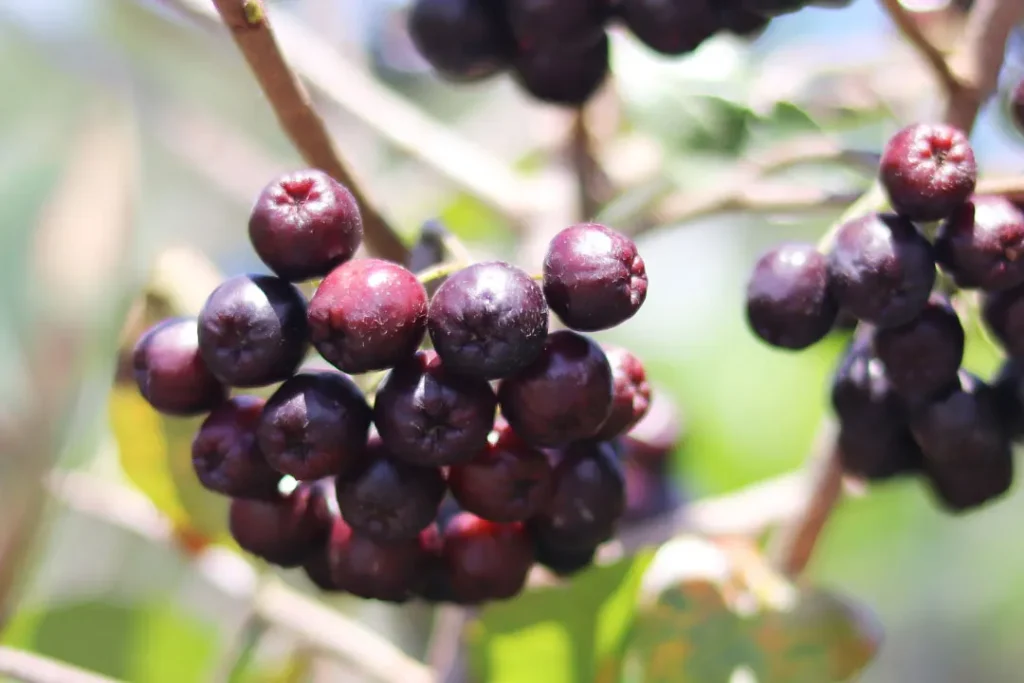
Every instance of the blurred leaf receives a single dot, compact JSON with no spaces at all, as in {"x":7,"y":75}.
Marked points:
{"x":171,"y":647}
{"x":785,"y":120}
{"x":564,"y":634}
{"x":472,"y":221}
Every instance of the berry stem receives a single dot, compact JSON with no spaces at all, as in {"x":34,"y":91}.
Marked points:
{"x":593,"y":186}
{"x":440,"y":271}
{"x":929,"y":51}
{"x":34,"y":668}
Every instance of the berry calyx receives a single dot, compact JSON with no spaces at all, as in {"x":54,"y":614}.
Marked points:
{"x":226,"y":456}
{"x":286,"y":531}
{"x":170,"y":371}
{"x":631,"y":393}
{"x":924,"y":355}
{"x":465,"y":40}
{"x":486,"y":560}
{"x":981,"y":244}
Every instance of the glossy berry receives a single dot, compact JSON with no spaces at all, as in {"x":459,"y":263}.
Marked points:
{"x":225,"y":455}
{"x":304,"y":224}
{"x":924,"y":355}
{"x":566,"y":74}
{"x":489,"y":320}
{"x":170,"y":372}
{"x":486,"y":560}
{"x":671,"y":27}
{"x":631,"y":393}
{"x":928,"y":170}
{"x":543,"y":22}
{"x":373,"y":569}
{"x":1016,"y":105}
{"x":653,"y":439}
{"x":507,"y":481}
{"x":981,"y":244}
{"x":563,"y":396}
{"x":881,"y":269}
{"x":465,"y":40}
{"x":594,"y":278}
{"x":287,"y":531}
{"x":558,"y":558}
{"x":789,"y":300}
{"x":1003,"y":313}
{"x":252,"y":330}
{"x":314,"y":426}
{"x":588,"y":499}
{"x":368,"y":314}
{"x":389,"y":500}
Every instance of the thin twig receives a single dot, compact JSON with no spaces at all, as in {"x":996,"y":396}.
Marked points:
{"x":593,"y":188}
{"x":445,"y":650}
{"x":29,"y":667}
{"x":911,"y":30}
{"x":250,"y":27}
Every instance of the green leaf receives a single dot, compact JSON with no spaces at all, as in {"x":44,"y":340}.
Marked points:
{"x":564,"y":634}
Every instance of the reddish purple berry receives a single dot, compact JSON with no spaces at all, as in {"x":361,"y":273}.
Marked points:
{"x":928,"y":170}
{"x":226,"y":456}
{"x":486,"y":560}
{"x":287,"y":531}
{"x":170,"y":371}
{"x":373,"y":569}
{"x":465,"y":40}
{"x":368,"y":314}
{"x":1003,"y":313}
{"x":565,"y":73}
{"x":631,"y":393}
{"x":981,"y":244}
{"x":671,"y":27}
{"x":594,"y":278}
{"x":924,"y":355}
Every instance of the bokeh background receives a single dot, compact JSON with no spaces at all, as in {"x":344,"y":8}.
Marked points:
{"x":135,"y":93}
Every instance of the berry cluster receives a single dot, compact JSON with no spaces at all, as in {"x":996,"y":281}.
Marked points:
{"x":497,"y":445}
{"x":903,"y":401}
{"x":557,"y":50}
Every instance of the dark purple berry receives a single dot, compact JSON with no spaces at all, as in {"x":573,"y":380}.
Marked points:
{"x":656,"y":435}
{"x":287,"y":531}
{"x":489,"y":320}
{"x":304,"y":224}
{"x":465,"y":40}
{"x":1016,"y":105}
{"x":543,"y":22}
{"x":374,"y":569}
{"x":252,"y":330}
{"x":170,"y":371}
{"x":486,"y":560}
{"x":226,"y":456}
{"x":368,"y":314}
{"x":631,"y":394}
{"x":314,"y":426}
{"x":924,"y":355}
{"x":564,"y":74}
{"x":650,"y":492}
{"x":560,"y":559}
{"x":771,"y":8}
{"x":671,"y":27}
{"x":1008,"y":394}
{"x":389,"y":500}
{"x":563,"y":396}
{"x":1003,"y":313}
{"x":981,"y":244}
{"x":881,"y":269}
{"x":594,"y":278}
{"x":429,"y":249}
{"x":928,"y":170}
{"x":789,"y":301}
{"x":741,"y":22}
{"x":508,"y":481}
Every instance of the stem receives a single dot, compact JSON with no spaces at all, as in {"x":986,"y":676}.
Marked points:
{"x":593,"y":187}
{"x":252,"y":634}
{"x":29,"y":667}
{"x":440,"y":271}
{"x":911,"y":30}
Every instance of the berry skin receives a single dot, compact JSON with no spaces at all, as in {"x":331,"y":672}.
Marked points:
{"x":170,"y":371}
{"x":789,"y":301}
{"x":539,"y":22}
{"x":928,"y":170}
{"x":631,"y":393}
{"x":489,"y":320}
{"x":981,"y":244}
{"x":368,"y":314}
{"x":881,"y":269}
{"x":389,"y":500}
{"x":565,"y":74}
{"x":651,"y":441}
{"x":429,"y":417}
{"x":771,"y":8}
{"x":226,"y":456}
{"x":508,"y":481}
{"x":304,"y":224}
{"x":314,"y":426}
{"x":465,"y":40}
{"x":561,"y":560}
{"x":650,"y":492}
{"x":486,"y":560}
{"x":594,"y":278}
{"x":742,"y":23}
{"x":287,"y":531}
{"x":564,"y":396}
{"x":1003,"y":313}
{"x":671,"y":27}
{"x":1016,"y":106}
{"x":252,"y":330}
{"x":924,"y":355}
{"x":1008,"y":393}
{"x":588,"y":499}
{"x":374,"y":569}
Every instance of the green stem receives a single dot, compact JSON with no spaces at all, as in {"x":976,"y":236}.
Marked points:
{"x":252,"y":633}
{"x":440,"y":271}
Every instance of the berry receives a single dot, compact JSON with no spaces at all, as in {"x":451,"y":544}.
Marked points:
{"x":486,"y":560}
{"x":928,"y":170}
{"x":225,"y":453}
{"x":789,"y":302}
{"x":314,"y":426}
{"x":594,"y":278}
{"x":368,"y":314}
{"x":489,"y":320}
{"x":631,"y":393}
{"x":287,"y":531}
{"x":389,"y":500}
{"x":374,"y":569}
{"x":1008,"y":393}
{"x":508,"y":481}
{"x":650,"y":492}
{"x":1003,"y":313}
{"x":563,"y":396}
{"x":924,"y":355}
{"x":881,"y":269}
{"x":304,"y":224}
{"x":428,"y":416}
{"x":982,"y":244}
{"x":543,"y":22}
{"x":317,"y":568}
{"x":671,"y":27}
{"x":656,"y":435}
{"x":1016,"y":105}
{"x":588,"y":499}
{"x":771,"y":8}
{"x":742,"y":22}
{"x":559,"y":559}
{"x":465,"y":40}
{"x":429,"y":249}
{"x":170,"y":371}
{"x":564,"y":74}
{"x":252,"y":330}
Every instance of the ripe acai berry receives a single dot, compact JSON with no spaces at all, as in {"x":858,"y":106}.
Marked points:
{"x":981,"y":244}
{"x":565,"y":73}
{"x":1003,"y":313}
{"x":226,"y":456}
{"x":924,"y":355}
{"x":373,"y":569}
{"x":539,"y":22}
{"x":286,"y":531}
{"x":631,"y":394}
{"x":465,"y":40}
{"x":486,"y":560}
{"x":170,"y":371}
{"x":671,"y":27}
